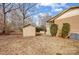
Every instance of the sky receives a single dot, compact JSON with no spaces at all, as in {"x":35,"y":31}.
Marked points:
{"x":54,"y":8}
{"x":51,"y":9}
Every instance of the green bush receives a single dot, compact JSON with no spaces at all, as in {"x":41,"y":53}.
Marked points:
{"x":65,"y":30}
{"x":53,"y":29}
{"x":38,"y":29}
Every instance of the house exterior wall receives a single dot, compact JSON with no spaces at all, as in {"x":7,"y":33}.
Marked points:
{"x":48,"y":29}
{"x":73,"y":21}
{"x":29,"y":31}
{"x":71,"y":17}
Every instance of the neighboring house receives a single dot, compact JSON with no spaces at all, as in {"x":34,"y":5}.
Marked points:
{"x":70,"y":16}
{"x":29,"y":30}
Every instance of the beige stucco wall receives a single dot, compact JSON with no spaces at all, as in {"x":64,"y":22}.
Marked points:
{"x":48,"y":29}
{"x":73,"y":21}
{"x":29,"y":31}
{"x":71,"y":17}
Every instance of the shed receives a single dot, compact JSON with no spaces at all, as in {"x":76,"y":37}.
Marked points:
{"x":29,"y":30}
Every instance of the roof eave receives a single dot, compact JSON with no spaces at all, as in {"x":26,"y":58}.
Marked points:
{"x":73,"y":7}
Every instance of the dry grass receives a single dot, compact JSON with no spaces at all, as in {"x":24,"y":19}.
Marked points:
{"x":16,"y":44}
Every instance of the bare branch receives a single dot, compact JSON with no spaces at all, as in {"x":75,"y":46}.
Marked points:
{"x":7,"y":5}
{"x":11,"y":10}
{"x":24,"y":9}
{"x":27,"y":16}
{"x":30,"y":7}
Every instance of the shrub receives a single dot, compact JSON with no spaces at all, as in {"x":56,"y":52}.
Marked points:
{"x":53,"y":29}
{"x":38,"y":29}
{"x":65,"y":30}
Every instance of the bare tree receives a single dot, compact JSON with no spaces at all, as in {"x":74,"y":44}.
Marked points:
{"x":16,"y":19}
{"x":25,"y":8}
{"x":43,"y":19}
{"x":22,"y":15}
{"x":6,"y":8}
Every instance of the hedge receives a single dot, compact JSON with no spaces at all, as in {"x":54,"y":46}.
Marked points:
{"x":53,"y":29}
{"x":65,"y":30}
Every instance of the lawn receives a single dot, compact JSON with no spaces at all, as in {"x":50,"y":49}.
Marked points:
{"x":45,"y":45}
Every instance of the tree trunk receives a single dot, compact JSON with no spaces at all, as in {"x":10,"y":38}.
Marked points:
{"x":4,"y":19}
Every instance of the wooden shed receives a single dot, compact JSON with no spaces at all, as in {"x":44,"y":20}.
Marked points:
{"x":29,"y":30}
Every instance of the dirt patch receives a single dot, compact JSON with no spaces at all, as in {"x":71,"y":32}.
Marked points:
{"x":45,"y":45}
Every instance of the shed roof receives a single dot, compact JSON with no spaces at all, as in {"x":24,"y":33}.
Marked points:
{"x":28,"y":25}
{"x":61,"y":13}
